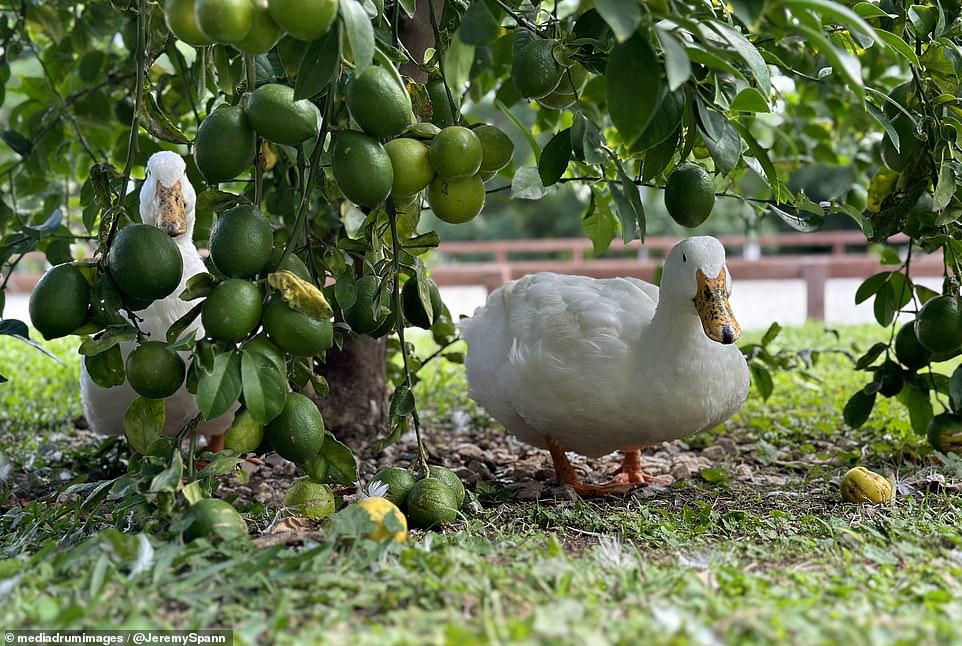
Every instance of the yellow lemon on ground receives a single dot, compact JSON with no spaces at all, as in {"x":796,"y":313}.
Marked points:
{"x":378,"y":509}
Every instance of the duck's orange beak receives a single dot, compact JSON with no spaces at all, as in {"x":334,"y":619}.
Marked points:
{"x":714,"y":310}
{"x":172,"y":211}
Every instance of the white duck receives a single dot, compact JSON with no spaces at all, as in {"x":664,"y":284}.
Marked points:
{"x":167,"y":201}
{"x":593,"y":366}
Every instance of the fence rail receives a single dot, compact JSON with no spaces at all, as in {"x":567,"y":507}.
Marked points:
{"x":823,"y":255}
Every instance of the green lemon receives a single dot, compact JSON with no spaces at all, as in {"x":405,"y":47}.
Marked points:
{"x":497,"y":148}
{"x":241,"y":242}
{"x":413,"y":307}
{"x":154,"y":370}
{"x":399,"y":484}
{"x":59,"y":302}
{"x":456,"y":152}
{"x":224,"y":146}
{"x":441,"y":114}
{"x":450,"y":478}
{"x":535,"y":71}
{"x":225,"y":21}
{"x":292,"y":263}
{"x":456,"y":201}
{"x":297,"y":434}
{"x":182,"y":22}
{"x":361,"y":316}
{"x":908,"y":350}
{"x":245,"y":433}
{"x":214,"y":519}
{"x":296,"y":332}
{"x":938,"y":324}
{"x":264,"y":32}
{"x":145,"y":262}
{"x":233,"y":310}
{"x":276,"y":116}
{"x":689,"y":195}
{"x":411,"y":163}
{"x":304,"y":19}
{"x":362,"y":168}
{"x":310,"y":499}
{"x":378,"y":103}
{"x":432,"y":502}
{"x":945,"y":433}
{"x":909,"y":144}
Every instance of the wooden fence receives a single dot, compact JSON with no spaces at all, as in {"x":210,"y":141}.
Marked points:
{"x":811,"y":257}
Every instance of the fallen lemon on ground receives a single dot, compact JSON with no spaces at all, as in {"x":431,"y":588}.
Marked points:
{"x":378,"y":509}
{"x":862,"y":485}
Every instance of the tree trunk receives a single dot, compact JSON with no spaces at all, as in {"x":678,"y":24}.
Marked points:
{"x":356,"y":408}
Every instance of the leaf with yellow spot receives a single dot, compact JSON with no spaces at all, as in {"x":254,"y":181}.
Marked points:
{"x":300,"y":295}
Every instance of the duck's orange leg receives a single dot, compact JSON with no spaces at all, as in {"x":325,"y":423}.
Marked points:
{"x":216,"y":443}
{"x":630,"y":476}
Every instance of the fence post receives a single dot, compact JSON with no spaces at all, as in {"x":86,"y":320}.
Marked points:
{"x":815,"y":276}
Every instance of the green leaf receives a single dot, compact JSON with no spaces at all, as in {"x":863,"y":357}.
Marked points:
{"x":836,"y":11}
{"x":144,"y":422}
{"x":106,"y":369}
{"x":109,"y":338}
{"x":622,"y":16}
{"x":478,"y":25}
{"x":955,"y":388}
{"x":945,"y":189}
{"x":523,"y":129}
{"x":726,"y":147}
{"x":844,"y":63}
{"x":320,"y":65}
{"x":747,"y":52}
{"x":677,"y":63}
{"x":360,"y":33}
{"x":345,"y":290}
{"x":771,"y":334}
{"x":587,"y":142}
{"x":178,"y":327}
{"x":599,"y":223}
{"x":402,"y":402}
{"x":749,"y":11}
{"x":218,"y":389}
{"x":884,"y":305}
{"x":761,"y":155}
{"x":409,"y":7}
{"x":870,"y":286}
{"x":761,"y":379}
{"x":749,"y":100}
{"x":859,"y":408}
{"x":627,"y":202}
{"x":898,"y":46}
{"x":870,"y":356}
{"x":919,"y":405}
{"x":421,"y":244}
{"x":170,"y":478}
{"x":658,"y":157}
{"x":342,"y":467}
{"x":527,"y":185}
{"x":264,"y":386}
{"x":555,"y":157}
{"x":157,"y":124}
{"x":867,"y":10}
{"x":632,"y":72}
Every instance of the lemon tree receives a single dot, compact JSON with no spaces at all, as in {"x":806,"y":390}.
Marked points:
{"x":325,"y":120}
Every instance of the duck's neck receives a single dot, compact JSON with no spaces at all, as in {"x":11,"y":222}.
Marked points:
{"x":675,"y":330}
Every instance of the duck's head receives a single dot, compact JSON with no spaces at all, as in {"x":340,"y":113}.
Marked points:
{"x":697,"y":279}
{"x":167,"y":198}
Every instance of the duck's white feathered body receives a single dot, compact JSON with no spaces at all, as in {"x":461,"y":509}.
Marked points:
{"x":104,"y":408}
{"x":599,"y":365}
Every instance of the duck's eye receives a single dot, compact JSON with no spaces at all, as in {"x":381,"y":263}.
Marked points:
{"x":684,"y":258}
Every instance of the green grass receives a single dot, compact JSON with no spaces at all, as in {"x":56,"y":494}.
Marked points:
{"x":720,"y":559}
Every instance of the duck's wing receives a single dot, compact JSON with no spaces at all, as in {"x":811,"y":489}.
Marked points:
{"x":548,"y":346}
